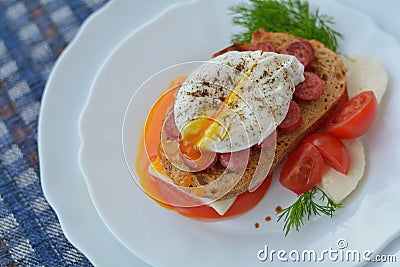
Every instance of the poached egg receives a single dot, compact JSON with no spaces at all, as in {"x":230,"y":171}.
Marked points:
{"x":237,"y":99}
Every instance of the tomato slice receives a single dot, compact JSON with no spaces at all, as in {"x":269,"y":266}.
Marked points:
{"x":302,"y":169}
{"x":333,"y":151}
{"x":168,"y":193}
{"x":355,"y":117}
{"x":243,"y":203}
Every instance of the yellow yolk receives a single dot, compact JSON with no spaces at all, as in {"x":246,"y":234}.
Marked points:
{"x":192,"y":134}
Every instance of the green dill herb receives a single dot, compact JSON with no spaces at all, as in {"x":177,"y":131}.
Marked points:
{"x":305,"y":205}
{"x":291,"y":16}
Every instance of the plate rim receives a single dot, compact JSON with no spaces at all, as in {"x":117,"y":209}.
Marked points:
{"x":66,"y":217}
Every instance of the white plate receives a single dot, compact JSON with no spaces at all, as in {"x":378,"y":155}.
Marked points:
{"x":194,"y":32}
{"x":64,"y":97}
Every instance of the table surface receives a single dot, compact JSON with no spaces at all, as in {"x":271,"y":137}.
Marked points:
{"x":32,"y":36}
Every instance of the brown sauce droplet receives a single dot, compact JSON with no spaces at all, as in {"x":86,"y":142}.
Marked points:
{"x":268,"y":218}
{"x":278,"y":209}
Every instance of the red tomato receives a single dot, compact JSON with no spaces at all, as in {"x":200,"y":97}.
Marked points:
{"x":243,"y":202}
{"x":302,"y":169}
{"x":333,"y":151}
{"x":355,"y":117}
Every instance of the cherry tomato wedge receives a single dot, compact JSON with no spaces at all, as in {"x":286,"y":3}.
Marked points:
{"x":355,"y":117}
{"x":302,"y":169}
{"x":333,"y":151}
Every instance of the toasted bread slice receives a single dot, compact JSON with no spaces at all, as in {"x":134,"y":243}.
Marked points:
{"x":328,"y":66}
{"x":234,"y":47}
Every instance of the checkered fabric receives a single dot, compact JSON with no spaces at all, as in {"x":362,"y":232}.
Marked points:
{"x":33,"y":33}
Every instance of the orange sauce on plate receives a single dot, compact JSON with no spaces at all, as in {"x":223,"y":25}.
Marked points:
{"x":160,"y":190}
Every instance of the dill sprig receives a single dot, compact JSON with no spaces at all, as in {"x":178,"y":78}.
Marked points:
{"x":291,"y":16}
{"x":306,"y":206}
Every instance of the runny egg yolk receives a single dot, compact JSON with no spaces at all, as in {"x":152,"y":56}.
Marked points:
{"x":192,"y":134}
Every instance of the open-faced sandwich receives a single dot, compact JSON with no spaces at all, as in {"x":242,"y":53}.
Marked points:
{"x":297,"y":83}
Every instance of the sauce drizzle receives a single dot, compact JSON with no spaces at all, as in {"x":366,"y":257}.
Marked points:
{"x":278,"y":209}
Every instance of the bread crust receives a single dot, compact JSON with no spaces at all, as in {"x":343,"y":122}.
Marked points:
{"x":326,"y":65}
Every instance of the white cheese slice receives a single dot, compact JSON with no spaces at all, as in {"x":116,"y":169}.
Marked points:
{"x":365,"y":73}
{"x":220,"y":206}
{"x":338,"y":185}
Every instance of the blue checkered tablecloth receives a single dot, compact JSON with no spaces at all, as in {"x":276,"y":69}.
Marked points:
{"x":33,"y":33}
